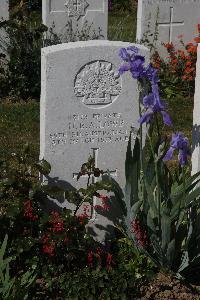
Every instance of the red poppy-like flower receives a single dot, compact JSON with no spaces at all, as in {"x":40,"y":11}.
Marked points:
{"x":29,"y":211}
{"x":188,"y":64}
{"x":56,"y":222}
{"x":105,"y":203}
{"x":109,"y":261}
{"x":49,"y":249}
{"x":197,"y":39}
{"x":180,"y":36}
{"x":140,"y":233}
{"x":90,"y":258}
{"x":191,"y":48}
{"x":82,"y":219}
{"x":169,"y":46}
{"x":99,"y":253}
{"x":188,"y":70}
{"x":45,"y":238}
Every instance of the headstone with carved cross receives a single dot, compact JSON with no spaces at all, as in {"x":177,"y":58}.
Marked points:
{"x":58,"y":14}
{"x":86,"y":110}
{"x":167,"y":21}
{"x":4,"y":15}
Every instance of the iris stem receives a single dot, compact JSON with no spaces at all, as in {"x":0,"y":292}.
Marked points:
{"x":141,"y":141}
{"x":157,"y":125}
{"x":158,"y":198}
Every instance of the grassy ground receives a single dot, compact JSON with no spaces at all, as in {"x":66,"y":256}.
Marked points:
{"x":19,"y":123}
{"x":122,"y":26}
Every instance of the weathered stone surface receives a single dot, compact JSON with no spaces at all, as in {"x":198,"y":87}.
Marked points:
{"x":196,"y":120}
{"x":174,"y":18}
{"x":57,"y":14}
{"x":86,"y":109}
{"x":4,"y":15}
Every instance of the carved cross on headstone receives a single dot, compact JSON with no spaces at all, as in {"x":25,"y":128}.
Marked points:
{"x":171,"y":24}
{"x":95,"y":157}
{"x":76,"y":8}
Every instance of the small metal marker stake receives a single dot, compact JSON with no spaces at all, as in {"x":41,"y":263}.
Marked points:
{"x":113,"y":173}
{"x":171,"y":24}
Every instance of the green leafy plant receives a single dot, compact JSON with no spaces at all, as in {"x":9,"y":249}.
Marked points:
{"x":20,"y":68}
{"x":56,"y":245}
{"x":167,"y":231}
{"x":162,"y":208}
{"x":13,"y":287}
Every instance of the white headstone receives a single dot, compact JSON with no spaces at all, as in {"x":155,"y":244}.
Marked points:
{"x":4,"y":15}
{"x":173,"y":17}
{"x":86,"y":109}
{"x":57,"y":14}
{"x":196,"y":120}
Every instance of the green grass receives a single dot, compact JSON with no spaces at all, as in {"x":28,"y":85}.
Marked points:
{"x":181,"y":111}
{"x":19,"y":124}
{"x":122,"y":26}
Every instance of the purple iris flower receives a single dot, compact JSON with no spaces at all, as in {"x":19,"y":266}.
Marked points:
{"x":134,"y":62}
{"x":180,"y":143}
{"x":151,"y":74}
{"x":153,"y":104}
{"x":128,"y":54}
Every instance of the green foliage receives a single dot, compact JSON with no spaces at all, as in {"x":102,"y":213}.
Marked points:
{"x":13,"y":287}
{"x":20,"y":69}
{"x":166,"y":212}
{"x":122,"y":281}
{"x":22,"y":72}
{"x":50,"y":253}
{"x":123,"y":4}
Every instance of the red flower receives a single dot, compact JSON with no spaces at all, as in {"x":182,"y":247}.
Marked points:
{"x":28,"y":211}
{"x":140,"y":233}
{"x":99,"y":253}
{"x":82,"y":219}
{"x":45,"y":238}
{"x":109,"y":261}
{"x":197,"y":39}
{"x":49,"y":249}
{"x":180,"y":36}
{"x":191,"y":48}
{"x":188,"y":63}
{"x":56,"y":222}
{"x":169,"y":46}
{"x":105,"y":203}
{"x":86,"y":210}
{"x":90,"y":258}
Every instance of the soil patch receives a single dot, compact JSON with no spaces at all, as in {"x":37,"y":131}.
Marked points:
{"x":168,"y":288}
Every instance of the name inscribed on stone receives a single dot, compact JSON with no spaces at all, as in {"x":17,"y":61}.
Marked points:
{"x":95,"y":128}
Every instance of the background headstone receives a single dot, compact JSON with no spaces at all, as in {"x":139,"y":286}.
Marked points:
{"x":4,"y":15}
{"x":86,"y":109}
{"x":57,"y":14}
{"x":174,"y":18}
{"x":196,"y":120}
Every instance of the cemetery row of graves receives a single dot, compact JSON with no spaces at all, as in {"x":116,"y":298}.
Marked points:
{"x":100,"y":149}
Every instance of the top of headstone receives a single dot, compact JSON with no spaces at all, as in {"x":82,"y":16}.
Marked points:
{"x":66,"y":15}
{"x":165,"y":21}
{"x":84,"y":44}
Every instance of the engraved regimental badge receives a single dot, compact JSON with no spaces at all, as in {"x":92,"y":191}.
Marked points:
{"x":76,"y":8}
{"x":98,"y":84}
